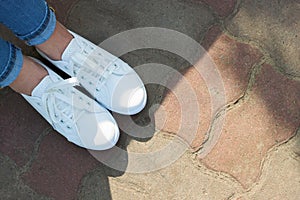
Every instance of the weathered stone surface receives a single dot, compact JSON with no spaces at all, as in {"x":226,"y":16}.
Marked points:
{"x":98,"y":20}
{"x":222,"y":7}
{"x":95,"y":185}
{"x":268,"y":117}
{"x":21,"y":126}
{"x":233,"y":61}
{"x":59,"y":168}
{"x":280,"y":175}
{"x":62,"y":8}
{"x":275,"y":26}
{"x":10,"y":186}
{"x":184,"y":178}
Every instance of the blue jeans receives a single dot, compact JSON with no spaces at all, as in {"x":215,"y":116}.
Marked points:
{"x":31,"y":21}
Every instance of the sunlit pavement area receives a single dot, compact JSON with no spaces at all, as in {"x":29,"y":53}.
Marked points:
{"x":252,"y":154}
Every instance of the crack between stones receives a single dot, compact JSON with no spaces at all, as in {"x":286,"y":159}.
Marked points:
{"x":34,"y":153}
{"x":264,"y":163}
{"x":254,"y":43}
{"x":221,"y":113}
{"x":211,"y":10}
{"x":17,"y":185}
{"x":231,"y":105}
{"x":221,"y":176}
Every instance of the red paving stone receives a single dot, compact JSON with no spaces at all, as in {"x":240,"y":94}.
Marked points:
{"x":171,"y":110}
{"x":222,"y":7}
{"x":234,"y":61}
{"x":270,"y":116}
{"x":20,"y":127}
{"x":59,"y":168}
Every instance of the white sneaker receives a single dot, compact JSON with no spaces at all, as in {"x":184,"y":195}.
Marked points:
{"x":110,"y":80}
{"x":73,"y":114}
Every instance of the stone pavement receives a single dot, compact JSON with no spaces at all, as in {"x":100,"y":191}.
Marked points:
{"x":255,"y":155}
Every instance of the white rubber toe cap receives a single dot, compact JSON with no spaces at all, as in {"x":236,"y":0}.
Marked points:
{"x":97,"y":132}
{"x":129,"y":95}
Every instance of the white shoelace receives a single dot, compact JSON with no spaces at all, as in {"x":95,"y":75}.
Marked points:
{"x":95,"y":64}
{"x":58,"y":104}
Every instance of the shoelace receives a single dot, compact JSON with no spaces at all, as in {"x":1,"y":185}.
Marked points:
{"x":95,"y":64}
{"x":57,"y":102}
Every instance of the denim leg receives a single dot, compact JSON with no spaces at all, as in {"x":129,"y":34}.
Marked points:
{"x":30,"y":20}
{"x":11,"y":61}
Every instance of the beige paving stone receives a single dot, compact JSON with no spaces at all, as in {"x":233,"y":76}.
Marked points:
{"x":183,"y":179}
{"x":274,"y":25}
{"x":281,"y":173}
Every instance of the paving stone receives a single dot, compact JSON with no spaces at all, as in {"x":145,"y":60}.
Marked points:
{"x":169,"y":116}
{"x":59,"y":168}
{"x":281,"y":175}
{"x":233,"y":60}
{"x":275,"y":26}
{"x":223,"y":8}
{"x":61,"y":8}
{"x":95,"y":185}
{"x":20,"y":127}
{"x":268,"y":117}
{"x":8,"y":172}
{"x":98,"y":20}
{"x":184,"y":178}
{"x":10,"y":186}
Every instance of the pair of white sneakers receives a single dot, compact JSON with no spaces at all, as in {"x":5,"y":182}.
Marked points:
{"x":84,"y":121}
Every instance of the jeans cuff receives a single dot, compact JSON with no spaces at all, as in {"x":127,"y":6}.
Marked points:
{"x":43,"y":32}
{"x":13,"y":67}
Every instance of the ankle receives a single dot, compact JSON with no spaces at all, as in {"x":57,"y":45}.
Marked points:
{"x":57,"y":43}
{"x":30,"y":76}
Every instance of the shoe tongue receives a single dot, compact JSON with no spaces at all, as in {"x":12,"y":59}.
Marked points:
{"x":40,"y":89}
{"x":70,"y":49}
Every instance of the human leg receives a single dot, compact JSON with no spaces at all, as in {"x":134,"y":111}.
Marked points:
{"x":77,"y":117}
{"x":73,"y":114}
{"x":11,"y":61}
{"x":31,"y":21}
{"x":115,"y":84}
{"x":17,"y":71}
{"x":30,"y":76}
